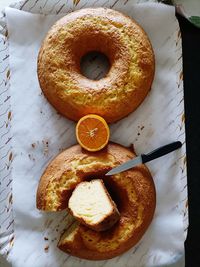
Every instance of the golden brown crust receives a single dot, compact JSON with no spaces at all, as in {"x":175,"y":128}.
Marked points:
{"x":60,"y":169}
{"x":133,"y":191}
{"x":112,"y":33}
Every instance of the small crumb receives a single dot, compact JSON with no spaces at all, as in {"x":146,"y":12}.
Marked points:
{"x":138,"y":134}
{"x":46,"y":238}
{"x":33,"y":145}
{"x":10,"y":199}
{"x":9,"y":115}
{"x":10,"y":156}
{"x":31,"y":157}
{"x":56,"y":230}
{"x":46,"y":249}
{"x":11,"y":241}
{"x":142,"y":127}
{"x":46,"y":147}
{"x":41,"y":111}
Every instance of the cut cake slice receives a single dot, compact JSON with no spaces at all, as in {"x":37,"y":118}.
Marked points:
{"x":92,"y":205}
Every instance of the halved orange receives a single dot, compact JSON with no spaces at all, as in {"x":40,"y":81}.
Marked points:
{"x":92,"y":132}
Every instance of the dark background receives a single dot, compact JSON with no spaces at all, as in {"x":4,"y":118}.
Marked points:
{"x":191,"y":69}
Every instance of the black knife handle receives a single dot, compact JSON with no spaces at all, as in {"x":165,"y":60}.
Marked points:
{"x":161,"y":151}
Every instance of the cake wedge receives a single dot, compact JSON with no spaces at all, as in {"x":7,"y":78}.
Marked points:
{"x":92,"y":205}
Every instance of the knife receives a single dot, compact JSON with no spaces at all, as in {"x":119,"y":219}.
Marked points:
{"x":143,"y":158}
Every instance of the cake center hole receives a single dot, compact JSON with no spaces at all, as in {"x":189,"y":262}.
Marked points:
{"x":95,"y":65}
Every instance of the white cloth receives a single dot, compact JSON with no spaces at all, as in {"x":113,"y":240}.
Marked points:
{"x":35,"y":122}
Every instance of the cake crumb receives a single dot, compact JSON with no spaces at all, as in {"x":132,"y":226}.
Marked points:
{"x":9,"y":115}
{"x":12,"y":240}
{"x":33,"y":145}
{"x":46,"y":238}
{"x":46,"y":249}
{"x":31,"y":157}
{"x":46,"y":147}
{"x":142,"y":127}
{"x":10,"y":199}
{"x":10,"y":156}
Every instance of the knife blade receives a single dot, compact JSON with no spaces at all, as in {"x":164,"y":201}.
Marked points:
{"x":143,"y":158}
